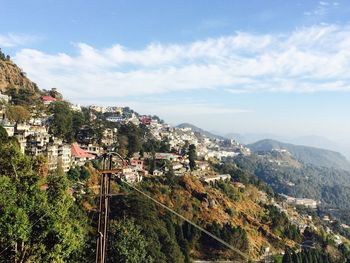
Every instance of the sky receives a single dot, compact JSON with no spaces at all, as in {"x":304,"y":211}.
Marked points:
{"x":252,"y":66}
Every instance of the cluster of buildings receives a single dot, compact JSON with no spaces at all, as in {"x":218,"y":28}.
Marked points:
{"x":179,"y":139}
{"x":307,"y":202}
{"x":35,"y":140}
{"x":304,"y":220}
{"x":107,"y":109}
{"x":206,"y":147}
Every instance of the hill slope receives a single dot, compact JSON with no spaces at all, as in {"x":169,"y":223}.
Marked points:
{"x":11,"y":76}
{"x":307,"y":155}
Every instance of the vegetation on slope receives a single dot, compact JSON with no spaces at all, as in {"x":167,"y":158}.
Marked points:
{"x":328,"y":185}
{"x":307,"y":155}
{"x":39,"y":220}
{"x":11,"y":76}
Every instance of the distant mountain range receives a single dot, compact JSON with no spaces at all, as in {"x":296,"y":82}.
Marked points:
{"x":309,"y":140}
{"x":305,"y":154}
{"x":315,"y":150}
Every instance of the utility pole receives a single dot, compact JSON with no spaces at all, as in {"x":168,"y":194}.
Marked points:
{"x":101,"y":244}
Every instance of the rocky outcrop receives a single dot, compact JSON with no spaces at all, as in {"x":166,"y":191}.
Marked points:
{"x":11,"y":76}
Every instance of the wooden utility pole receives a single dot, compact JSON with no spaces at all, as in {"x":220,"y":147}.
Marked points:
{"x":101,"y":244}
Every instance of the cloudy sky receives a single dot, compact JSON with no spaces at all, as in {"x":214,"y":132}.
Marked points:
{"x":255,"y":66}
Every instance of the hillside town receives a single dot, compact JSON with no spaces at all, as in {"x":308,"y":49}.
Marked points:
{"x":36,"y":140}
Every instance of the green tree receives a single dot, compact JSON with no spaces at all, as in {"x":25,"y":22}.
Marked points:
{"x":65,"y":233}
{"x":36,"y":225}
{"x":170,"y":175}
{"x":62,"y":121}
{"x":192,"y":156}
{"x":2,"y":55}
{"x":164,"y":146}
{"x":17,"y":113}
{"x":73,"y":174}
{"x":126,"y":243}
{"x":288,"y":257}
{"x":123,"y":143}
{"x":12,"y":162}
{"x":77,"y":122}
{"x":25,"y":97}
{"x":133,"y":134}
{"x":3,"y":135}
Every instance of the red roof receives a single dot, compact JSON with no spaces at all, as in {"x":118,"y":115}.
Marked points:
{"x":48,"y":98}
{"x":79,"y":152}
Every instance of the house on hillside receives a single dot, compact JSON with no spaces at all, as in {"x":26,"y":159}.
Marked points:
{"x":80,"y":156}
{"x":47,"y":100}
{"x":138,"y":164}
{"x":4,"y":98}
{"x":239,"y":185}
{"x":215,"y":178}
{"x":75,"y":107}
{"x":167,"y":156}
{"x":36,"y":143}
{"x":157,"y":173}
{"x":22,"y":140}
{"x":91,"y":148}
{"x":202,"y":165}
{"x":146,"y":120}
{"x":116,"y":119}
{"x":10,"y":128}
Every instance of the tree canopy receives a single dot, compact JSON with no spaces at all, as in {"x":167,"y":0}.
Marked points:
{"x":17,"y":113}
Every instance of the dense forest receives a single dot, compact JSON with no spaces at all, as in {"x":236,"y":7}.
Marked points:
{"x":329,"y":185}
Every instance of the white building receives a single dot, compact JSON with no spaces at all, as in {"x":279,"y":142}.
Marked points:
{"x":58,"y":154}
{"x":10,"y":129}
{"x":4,"y":98}
{"x":214,"y":178}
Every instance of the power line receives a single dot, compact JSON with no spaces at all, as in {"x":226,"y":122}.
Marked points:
{"x":245,"y":256}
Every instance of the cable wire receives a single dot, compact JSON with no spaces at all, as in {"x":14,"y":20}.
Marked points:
{"x":245,"y":256}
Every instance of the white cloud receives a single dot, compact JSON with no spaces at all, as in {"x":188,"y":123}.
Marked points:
{"x":13,"y":40}
{"x":322,"y":8}
{"x":309,"y":59}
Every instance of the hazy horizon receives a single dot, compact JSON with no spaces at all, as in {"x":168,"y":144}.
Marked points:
{"x":256,"y":67}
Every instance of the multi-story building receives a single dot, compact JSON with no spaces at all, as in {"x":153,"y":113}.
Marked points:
{"x":52,"y":156}
{"x":80,"y":156}
{"x":58,"y":155}
{"x":64,"y":156}
{"x":36,"y":143}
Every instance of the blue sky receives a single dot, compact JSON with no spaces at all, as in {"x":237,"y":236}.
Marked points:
{"x":277,"y":67}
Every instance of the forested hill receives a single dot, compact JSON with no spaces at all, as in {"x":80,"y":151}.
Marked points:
{"x":307,"y":155}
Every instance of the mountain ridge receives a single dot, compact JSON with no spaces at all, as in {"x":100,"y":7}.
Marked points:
{"x":309,"y":155}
